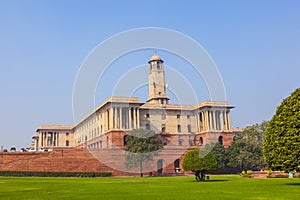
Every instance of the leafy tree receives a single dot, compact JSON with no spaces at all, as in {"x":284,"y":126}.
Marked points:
{"x":199,"y":161}
{"x":246,"y":149}
{"x":219,"y":151}
{"x":141,"y":146}
{"x":282,"y":140}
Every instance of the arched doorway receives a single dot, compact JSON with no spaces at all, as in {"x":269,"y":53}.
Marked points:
{"x":200,"y":141}
{"x":177,"y":165}
{"x":160,"y":166}
{"x":220,"y":140}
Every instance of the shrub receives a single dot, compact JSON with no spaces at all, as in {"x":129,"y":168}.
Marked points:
{"x":245,"y":174}
{"x":269,"y":172}
{"x":249,"y":172}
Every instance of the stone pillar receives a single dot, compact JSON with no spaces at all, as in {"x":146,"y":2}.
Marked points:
{"x":52,"y":138}
{"x":57,"y":139}
{"x":225,"y":120}
{"x":134,"y":118}
{"x":197,"y":122}
{"x":129,"y":118}
{"x":115,"y":117}
{"x":110,"y":118}
{"x":221,"y":121}
{"x":206,"y":120}
{"x":40,"y":139}
{"x":104,"y":120}
{"x":121,"y":120}
{"x":228,"y":118}
{"x":215,"y":120}
{"x":210,"y":120}
{"x":138,"y":117}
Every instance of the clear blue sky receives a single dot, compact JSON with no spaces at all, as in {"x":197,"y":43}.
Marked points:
{"x":255,"y":44}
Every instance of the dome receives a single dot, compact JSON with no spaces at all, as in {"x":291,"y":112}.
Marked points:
{"x":155,"y":57}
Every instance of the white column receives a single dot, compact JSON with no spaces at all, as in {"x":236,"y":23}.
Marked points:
{"x":138,"y":118}
{"x":228,"y":118}
{"x":129,"y":118}
{"x":202,"y":123}
{"x":115,"y":117}
{"x":225,"y":119}
{"x":134,"y":118}
{"x":210,"y":120}
{"x":221,"y":121}
{"x":121,"y":120}
{"x":206,"y":120}
{"x":197,"y":122}
{"x":40,"y":139}
{"x":111,"y":118}
{"x":215,"y":119}
{"x":106,"y":120}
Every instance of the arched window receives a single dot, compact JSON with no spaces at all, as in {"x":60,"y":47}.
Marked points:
{"x":160,"y":166}
{"x":177,"y":165}
{"x":220,"y":139}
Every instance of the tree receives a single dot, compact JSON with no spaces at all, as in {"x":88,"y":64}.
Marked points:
{"x":199,"y":161}
{"x":282,"y":140}
{"x":219,"y":151}
{"x":246,"y":149}
{"x":141,"y":146}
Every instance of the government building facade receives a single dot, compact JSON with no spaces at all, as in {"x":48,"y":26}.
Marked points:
{"x":178,"y":126}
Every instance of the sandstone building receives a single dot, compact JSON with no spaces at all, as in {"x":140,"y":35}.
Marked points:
{"x":182,"y":126}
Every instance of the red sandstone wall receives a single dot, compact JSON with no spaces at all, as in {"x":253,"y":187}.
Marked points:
{"x":80,"y":160}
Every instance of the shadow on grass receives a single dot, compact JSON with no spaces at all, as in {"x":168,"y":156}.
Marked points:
{"x":216,"y":180}
{"x":208,"y":181}
{"x":295,"y":184}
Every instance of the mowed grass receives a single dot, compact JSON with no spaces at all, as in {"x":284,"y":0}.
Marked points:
{"x":219,"y":187}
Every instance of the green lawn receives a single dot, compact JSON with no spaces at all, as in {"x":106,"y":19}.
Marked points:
{"x":219,"y":187}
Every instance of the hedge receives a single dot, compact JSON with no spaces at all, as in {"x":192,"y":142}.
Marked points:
{"x":55,"y":174}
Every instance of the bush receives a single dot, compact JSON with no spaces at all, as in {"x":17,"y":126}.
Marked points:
{"x":245,"y":174}
{"x":269,"y":172}
{"x":249,"y":172}
{"x":55,"y":174}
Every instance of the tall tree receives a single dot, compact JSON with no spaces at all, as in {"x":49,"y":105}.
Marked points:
{"x":282,"y":140}
{"x":246,"y":149}
{"x":141,"y":146}
{"x":219,"y":151}
{"x":199,"y":161}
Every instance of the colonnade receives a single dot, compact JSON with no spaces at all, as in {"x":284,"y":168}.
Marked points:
{"x":48,"y":139}
{"x":122,"y":118}
{"x":213,"y":120}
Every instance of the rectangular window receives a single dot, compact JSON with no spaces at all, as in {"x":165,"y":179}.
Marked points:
{"x":67,"y":134}
{"x":67,"y":143}
{"x":178,"y":116}
{"x":188,"y":116}
{"x":147,"y":115}
{"x":189,"y":128}
{"x":179,"y":129}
